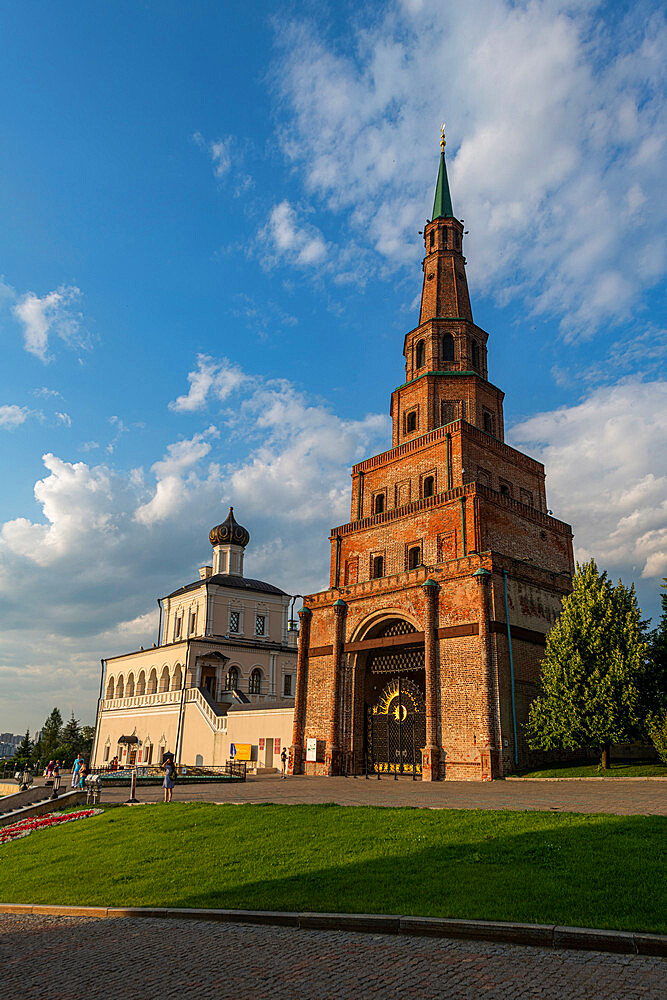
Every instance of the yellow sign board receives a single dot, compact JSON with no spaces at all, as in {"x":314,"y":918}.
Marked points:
{"x":241,"y":751}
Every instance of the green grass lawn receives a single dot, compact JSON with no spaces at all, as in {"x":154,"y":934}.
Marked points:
{"x":619,"y":770}
{"x":567,"y":868}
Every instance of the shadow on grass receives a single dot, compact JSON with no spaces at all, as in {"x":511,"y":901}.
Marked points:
{"x":596,"y":871}
{"x":570,"y":878}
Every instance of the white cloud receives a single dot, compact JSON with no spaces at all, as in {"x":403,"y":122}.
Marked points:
{"x":63,"y":418}
{"x":556,"y":118}
{"x":12,"y":415}
{"x":296,"y":241}
{"x":174,"y":478}
{"x":44,"y":393}
{"x":216,"y":378}
{"x":218,"y":150}
{"x":52,"y":313}
{"x":606,"y":461}
{"x":109,"y":542}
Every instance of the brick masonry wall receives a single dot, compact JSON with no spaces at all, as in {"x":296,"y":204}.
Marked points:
{"x":534,"y":601}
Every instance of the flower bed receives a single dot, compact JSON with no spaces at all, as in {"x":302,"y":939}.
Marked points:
{"x":25,"y":826}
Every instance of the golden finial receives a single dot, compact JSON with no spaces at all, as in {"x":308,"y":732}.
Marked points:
{"x":442,"y":138}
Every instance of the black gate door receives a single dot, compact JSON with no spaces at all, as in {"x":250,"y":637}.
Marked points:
{"x":396,"y":729}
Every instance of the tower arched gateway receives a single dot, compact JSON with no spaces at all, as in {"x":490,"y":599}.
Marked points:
{"x":448,"y":575}
{"x":390,"y":720}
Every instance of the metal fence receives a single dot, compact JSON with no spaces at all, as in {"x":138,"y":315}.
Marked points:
{"x":233,"y":770}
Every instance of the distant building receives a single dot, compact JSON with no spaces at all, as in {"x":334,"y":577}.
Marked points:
{"x":222,"y":671}
{"x":9,"y":743}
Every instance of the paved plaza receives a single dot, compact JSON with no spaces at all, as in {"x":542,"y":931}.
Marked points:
{"x":612,"y":795}
{"x":75,"y":958}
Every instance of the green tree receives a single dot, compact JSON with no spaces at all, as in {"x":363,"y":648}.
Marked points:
{"x":655,"y":694}
{"x":70,"y":740}
{"x":594,"y":670}
{"x":50,"y":737}
{"x":24,"y":750}
{"x":86,"y":745}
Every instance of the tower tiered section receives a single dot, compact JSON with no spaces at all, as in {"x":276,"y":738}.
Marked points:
{"x":424,"y":653}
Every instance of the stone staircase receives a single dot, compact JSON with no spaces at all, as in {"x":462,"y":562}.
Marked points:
{"x":36,"y":801}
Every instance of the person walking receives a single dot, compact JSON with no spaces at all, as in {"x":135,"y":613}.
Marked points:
{"x":76,"y":767}
{"x":169,"y":778}
{"x":283,"y":762}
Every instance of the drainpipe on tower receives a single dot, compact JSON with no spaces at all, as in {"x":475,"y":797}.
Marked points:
{"x":509,"y":643}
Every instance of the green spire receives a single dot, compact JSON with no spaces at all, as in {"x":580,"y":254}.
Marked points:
{"x":442,"y":205}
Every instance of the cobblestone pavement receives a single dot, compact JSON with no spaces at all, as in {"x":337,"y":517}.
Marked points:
{"x":74,"y":958}
{"x":612,"y":795}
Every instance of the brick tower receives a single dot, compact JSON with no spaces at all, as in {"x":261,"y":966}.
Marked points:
{"x":423,"y":655}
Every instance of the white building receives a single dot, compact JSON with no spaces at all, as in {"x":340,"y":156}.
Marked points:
{"x":224,"y":643}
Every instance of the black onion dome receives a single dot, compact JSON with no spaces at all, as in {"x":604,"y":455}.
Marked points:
{"x":229,"y":532}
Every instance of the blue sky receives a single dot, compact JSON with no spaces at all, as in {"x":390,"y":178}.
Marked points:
{"x":209,"y":256}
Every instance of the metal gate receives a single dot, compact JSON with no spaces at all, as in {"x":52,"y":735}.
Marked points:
{"x":396,"y":729}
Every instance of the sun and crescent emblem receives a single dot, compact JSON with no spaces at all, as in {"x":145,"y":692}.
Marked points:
{"x":399,"y":699}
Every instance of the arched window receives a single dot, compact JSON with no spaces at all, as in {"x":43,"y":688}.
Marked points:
{"x":505,"y":490}
{"x":177,"y":682}
{"x":447,"y":348}
{"x":232,"y":679}
{"x":475,"y":355}
{"x":141,"y":683}
{"x":414,"y":557}
{"x":164,"y":679}
{"x":445,"y":238}
{"x":429,"y":486}
{"x":152,"y":682}
{"x":378,"y":567}
{"x":420,"y":354}
{"x":378,"y":504}
{"x":120,"y":687}
{"x":411,"y":422}
{"x":432,"y":237}
{"x":110,"y":688}
{"x":256,"y":681}
{"x":488,"y":421}
{"x":129,"y":690}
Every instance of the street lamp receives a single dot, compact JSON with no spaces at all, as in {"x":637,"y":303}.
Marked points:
{"x":292,"y":623}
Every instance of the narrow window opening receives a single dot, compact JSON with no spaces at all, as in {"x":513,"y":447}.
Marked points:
{"x":411,"y":422}
{"x":433,"y":237}
{"x":475,"y":354}
{"x":260,"y":625}
{"x":420,"y":354}
{"x":429,"y":486}
{"x":505,"y":490}
{"x":256,"y":681}
{"x":414,"y":557}
{"x":447,"y":348}
{"x":378,"y":567}
{"x":234,"y":621}
{"x":287,"y":686}
{"x":232,"y":679}
{"x":488,"y":422}
{"x":378,"y":506}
